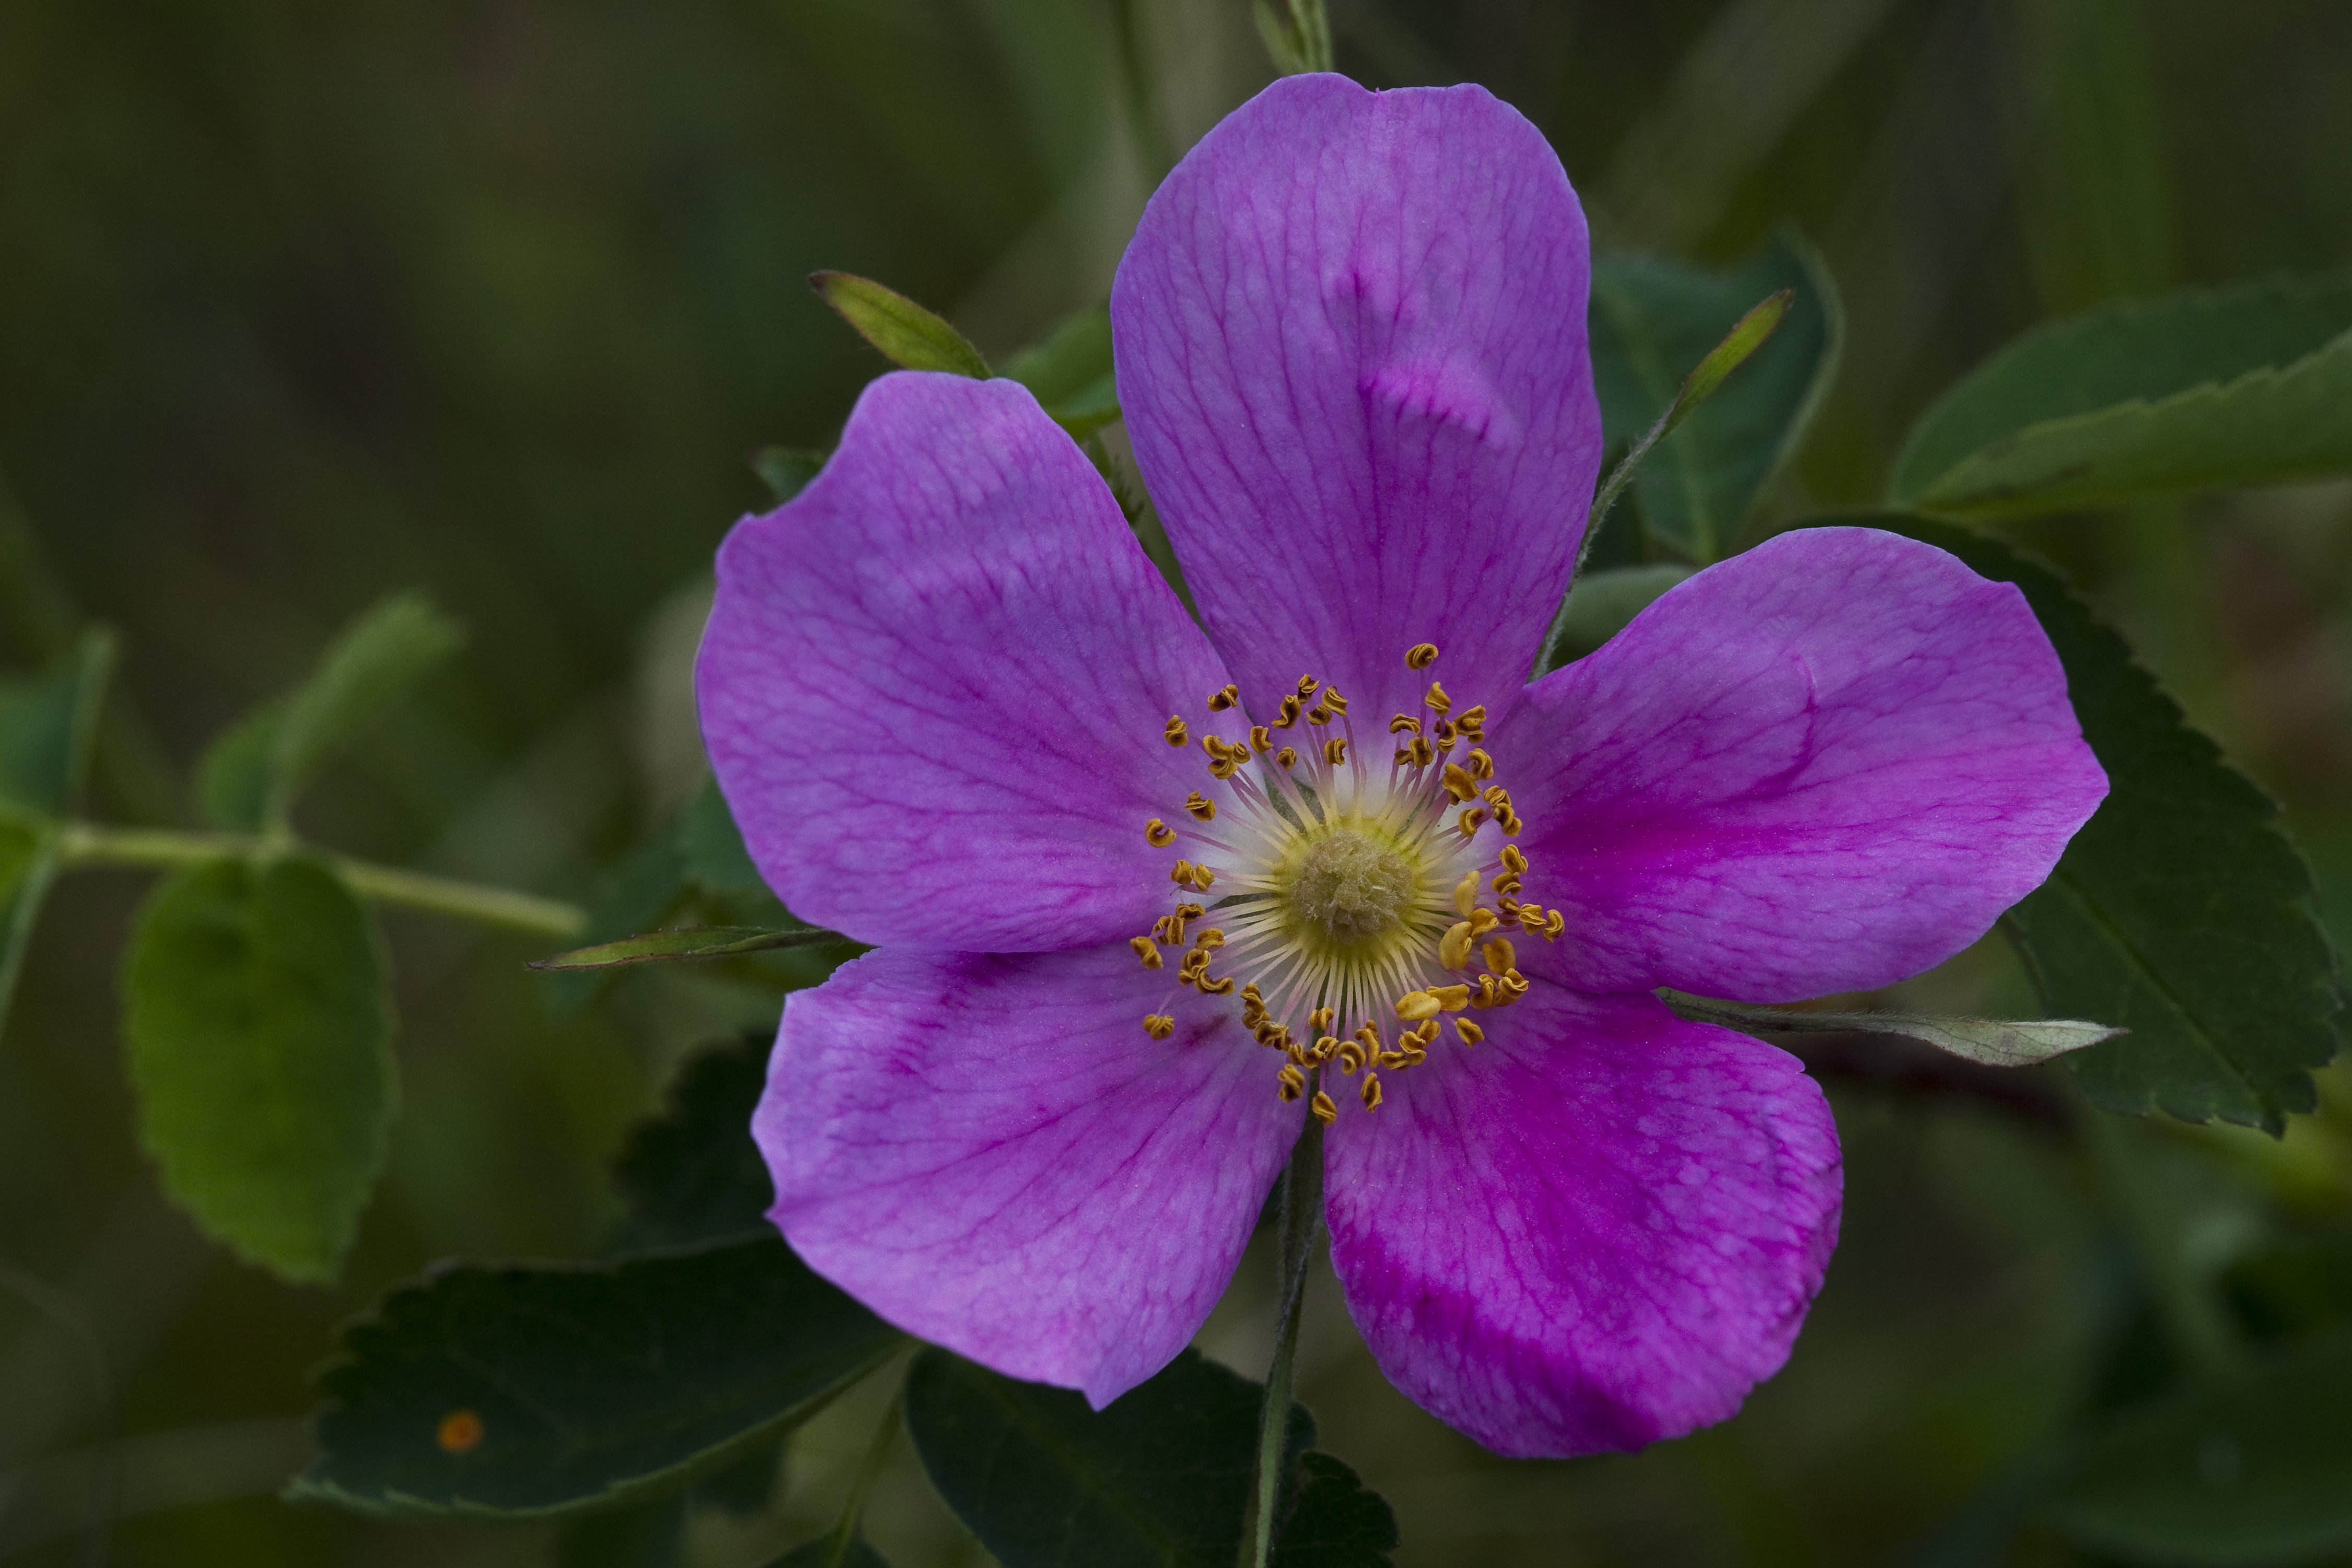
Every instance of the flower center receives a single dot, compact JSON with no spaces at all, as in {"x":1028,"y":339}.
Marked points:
{"x":1347,"y":898}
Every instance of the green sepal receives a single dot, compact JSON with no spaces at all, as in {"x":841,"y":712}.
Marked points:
{"x":259,"y":1030}
{"x":521,"y":1391}
{"x":902,"y":331}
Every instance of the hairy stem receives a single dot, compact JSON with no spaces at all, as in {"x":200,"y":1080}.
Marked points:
{"x":89,"y":843}
{"x":1302,"y":1216}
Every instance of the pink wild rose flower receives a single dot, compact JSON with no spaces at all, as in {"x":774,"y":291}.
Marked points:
{"x":1136,"y":884}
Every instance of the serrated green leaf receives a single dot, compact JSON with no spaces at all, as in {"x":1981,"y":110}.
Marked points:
{"x":1070,"y":372}
{"x":46,"y":725}
{"x":1160,"y":1477}
{"x":903,"y":331}
{"x":1652,"y":321}
{"x":787,"y":469}
{"x":824,"y":1553}
{"x":1994,"y":1043}
{"x":259,"y":1035}
{"x":692,"y":1174}
{"x":524,"y":1391}
{"x":249,"y":777}
{"x":690,"y":943}
{"x":2258,"y":1470}
{"x":1334,"y":1521}
{"x":2197,"y":390}
{"x":2180,"y":912}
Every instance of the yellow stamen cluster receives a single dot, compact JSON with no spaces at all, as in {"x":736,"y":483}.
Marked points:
{"x":1354,"y":900}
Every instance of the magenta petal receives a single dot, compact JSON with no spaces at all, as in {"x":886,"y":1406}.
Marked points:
{"x":990,"y":1153}
{"x":933,"y":684}
{"x":1824,"y":765}
{"x":1598,"y":1229}
{"x":1351,"y":341}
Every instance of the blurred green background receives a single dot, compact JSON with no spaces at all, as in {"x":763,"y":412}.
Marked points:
{"x":302,"y":303}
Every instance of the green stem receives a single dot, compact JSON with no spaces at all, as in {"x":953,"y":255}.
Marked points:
{"x":89,"y":843}
{"x":1302,"y":1216}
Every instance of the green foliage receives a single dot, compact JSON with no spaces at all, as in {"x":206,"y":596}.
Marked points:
{"x":826,"y":1551}
{"x":1603,"y":601}
{"x":692,"y":942}
{"x":1992,"y":1042}
{"x":710,"y":848}
{"x":1652,"y":321}
{"x":528,"y":1390}
{"x":787,"y":469}
{"x":1070,"y":372}
{"x":692,"y":1174}
{"x":249,"y":777}
{"x":2180,"y":912}
{"x":259,"y":1035}
{"x":46,"y":725}
{"x":2196,"y":391}
{"x":2252,"y":1471}
{"x":902,"y":331}
{"x":1162,"y":1475}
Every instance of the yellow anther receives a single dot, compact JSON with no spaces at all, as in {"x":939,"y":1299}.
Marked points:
{"x":1467,"y":824}
{"x":1513,"y":858}
{"x":1482,"y":920}
{"x":1472,"y":722}
{"x":1145,"y":951}
{"x":1531,"y":917}
{"x":1487,"y":993}
{"x":1250,"y":993}
{"x":1443,"y":731}
{"x":1174,"y":730}
{"x":1470,"y":1032}
{"x":1333,"y":700}
{"x":1481,"y":766}
{"x":1505,"y":884}
{"x":1414,"y":1006}
{"x":1421,"y":655}
{"x":1208,"y":988}
{"x":1335,"y":750}
{"x":1307,"y":685}
{"x":1458,"y":782}
{"x":1182,"y":874}
{"x":1554,"y":923}
{"x":1327,"y":1048}
{"x":1273,"y":1036}
{"x":1508,"y":820}
{"x":1225,"y":767}
{"x":1466,"y":894}
{"x":1200,"y":806}
{"x":1158,"y":1026}
{"x":1368,"y":1035}
{"x":1350,"y":1054}
{"x":1194,"y":962}
{"x":1188,"y":912}
{"x":1319,"y":714}
{"x":1404,"y":724}
{"x":1209,"y":940}
{"x":1261,"y":740}
{"x":1290,"y":1083}
{"x":1512,"y":986}
{"x":1325,"y":1111}
{"x":1498,"y":955}
{"x":1223,"y":698}
{"x":1289,"y":714}
{"x":1495,"y":795}
{"x":1453,"y":948}
{"x":1201,"y":877}
{"x":1436,"y":699}
{"x":1321,"y":1020}
{"x":1170,"y":930}
{"x":1371,"y":1090}
{"x":1288,"y":757}
{"x":1158,"y":834}
{"x":1423,"y":754}
{"x":1453,"y":999}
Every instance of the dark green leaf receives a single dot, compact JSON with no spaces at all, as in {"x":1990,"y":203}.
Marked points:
{"x":694,"y":942}
{"x":711,"y":848}
{"x":250,"y":776}
{"x":1601,"y":603}
{"x":905,"y":334}
{"x":1994,"y":1043}
{"x":1070,"y":372}
{"x":644,"y":1535}
{"x":822,"y":1553}
{"x":2180,"y":912}
{"x":46,"y":725}
{"x":260,"y":1038}
{"x":2196,"y":391}
{"x":1334,"y":1522}
{"x":1653,"y":320}
{"x":787,"y":469}
{"x":580,"y":1387}
{"x":1161,"y":1477}
{"x":693,"y":1174}
{"x":28,"y":863}
{"x":2256,"y":1471}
